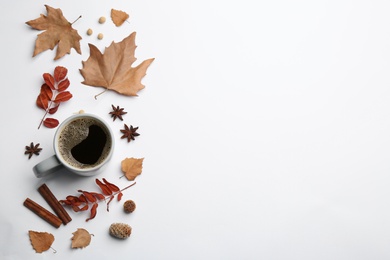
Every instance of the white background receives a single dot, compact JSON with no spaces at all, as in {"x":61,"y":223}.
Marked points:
{"x":265,"y":128}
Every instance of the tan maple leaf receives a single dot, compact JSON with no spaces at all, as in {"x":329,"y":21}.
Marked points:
{"x":132,"y":167}
{"x":118,"y":17}
{"x":57,"y":31}
{"x":81,"y":238}
{"x":40,"y":241}
{"x":112,"y":70}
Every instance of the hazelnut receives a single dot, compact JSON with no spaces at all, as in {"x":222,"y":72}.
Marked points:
{"x":102,"y":19}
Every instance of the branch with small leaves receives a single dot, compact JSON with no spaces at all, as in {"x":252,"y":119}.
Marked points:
{"x":53,"y":93}
{"x":89,"y":200}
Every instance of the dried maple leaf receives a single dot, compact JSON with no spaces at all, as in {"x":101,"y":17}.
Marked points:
{"x":118,"y":17}
{"x":81,"y":238}
{"x":132,"y":167}
{"x":40,"y":241}
{"x":112,"y":70}
{"x":57,"y":31}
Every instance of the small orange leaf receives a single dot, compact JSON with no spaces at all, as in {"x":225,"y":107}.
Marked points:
{"x":40,"y":241}
{"x":81,"y":238}
{"x":132,"y":167}
{"x":60,"y":73}
{"x":105,"y":189}
{"x":118,"y":17}
{"x":63,"y":96}
{"x":49,"y":80}
{"x":51,"y":122}
{"x":111,"y":186}
{"x":63,"y":85}
{"x":93,"y":212}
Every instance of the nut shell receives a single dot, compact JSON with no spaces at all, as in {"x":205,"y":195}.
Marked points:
{"x":120,"y":230}
{"x":129,"y":206}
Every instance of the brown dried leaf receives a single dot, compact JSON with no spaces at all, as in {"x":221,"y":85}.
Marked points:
{"x":57,"y":31}
{"x":81,"y":238}
{"x":132,"y":167}
{"x":112,"y":70}
{"x":40,"y":241}
{"x":118,"y":17}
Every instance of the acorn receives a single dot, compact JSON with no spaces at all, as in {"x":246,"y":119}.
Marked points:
{"x":120,"y":230}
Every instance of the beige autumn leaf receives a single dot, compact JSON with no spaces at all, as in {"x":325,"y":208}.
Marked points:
{"x":132,"y":167}
{"x":57,"y":30}
{"x":118,"y":17}
{"x":40,"y":241}
{"x":81,"y":238}
{"x":112,"y":70}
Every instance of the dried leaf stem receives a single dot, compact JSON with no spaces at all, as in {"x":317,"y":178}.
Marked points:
{"x":76,"y":19}
{"x":46,"y":111}
{"x":90,"y":200}
{"x":100,"y":93}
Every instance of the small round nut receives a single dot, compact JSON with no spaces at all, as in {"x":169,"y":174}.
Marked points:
{"x":102,"y":19}
{"x":89,"y":31}
{"x":100,"y":36}
{"x":129,"y":206}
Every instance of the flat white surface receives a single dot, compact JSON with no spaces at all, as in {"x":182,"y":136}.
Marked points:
{"x":265,"y":127}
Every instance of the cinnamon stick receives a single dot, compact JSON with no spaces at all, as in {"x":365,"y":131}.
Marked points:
{"x":43,"y":213}
{"x":54,"y":204}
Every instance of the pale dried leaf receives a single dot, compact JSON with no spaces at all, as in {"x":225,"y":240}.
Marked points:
{"x":132,"y":167}
{"x":81,"y":238}
{"x":112,"y":70}
{"x":118,"y":17}
{"x":57,"y":31}
{"x":40,"y":241}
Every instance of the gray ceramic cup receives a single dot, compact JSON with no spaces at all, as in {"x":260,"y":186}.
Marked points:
{"x":62,"y":144}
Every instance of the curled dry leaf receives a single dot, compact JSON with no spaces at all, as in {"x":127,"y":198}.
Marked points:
{"x":81,"y":238}
{"x":118,"y":17}
{"x":112,"y":70}
{"x":132,"y":167}
{"x":40,"y":241}
{"x":57,"y":31}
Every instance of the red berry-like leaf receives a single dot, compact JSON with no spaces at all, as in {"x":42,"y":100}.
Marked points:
{"x":60,"y":73}
{"x":49,"y":80}
{"x":51,"y":122}
{"x":63,"y":85}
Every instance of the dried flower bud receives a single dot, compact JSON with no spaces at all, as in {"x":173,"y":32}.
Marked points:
{"x":120,"y":230}
{"x":129,"y":206}
{"x":89,"y":31}
{"x":100,"y":36}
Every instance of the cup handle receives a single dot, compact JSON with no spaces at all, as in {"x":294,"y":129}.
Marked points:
{"x":48,"y":166}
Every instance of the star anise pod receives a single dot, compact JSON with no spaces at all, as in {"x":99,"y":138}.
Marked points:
{"x":117,"y":112}
{"x":32,"y":149}
{"x":129,"y":133}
